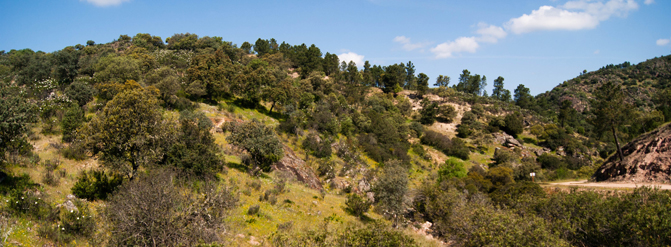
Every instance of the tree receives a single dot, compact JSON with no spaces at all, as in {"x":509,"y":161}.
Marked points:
{"x":566,"y":113}
{"x":611,"y":111}
{"x":128,"y":133}
{"x":498,"y":92}
{"x":261,"y":47}
{"x":283,"y":93}
{"x":422,"y":83}
{"x":66,"y":63}
{"x":73,"y":118}
{"x":80,"y":92}
{"x":391,"y":188}
{"x":428,"y":112}
{"x":259,"y":140}
{"x":116,"y":69}
{"x":246,"y":47}
{"x":194,"y":150}
{"x":514,"y":124}
{"x":330,"y":64}
{"x":15,"y":115}
{"x":442,"y":81}
{"x":410,"y":82}
{"x":210,"y":75}
{"x":181,"y":41}
{"x":523,"y":97}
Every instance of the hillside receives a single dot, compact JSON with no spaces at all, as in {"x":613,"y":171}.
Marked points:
{"x":641,"y":82}
{"x":198,"y":142}
{"x":646,"y":159}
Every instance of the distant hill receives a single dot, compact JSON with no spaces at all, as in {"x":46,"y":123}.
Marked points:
{"x":641,"y":81}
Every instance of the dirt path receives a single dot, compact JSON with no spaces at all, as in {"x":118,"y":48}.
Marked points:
{"x":584,"y":183}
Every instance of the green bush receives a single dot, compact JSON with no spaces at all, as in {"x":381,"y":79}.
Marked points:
{"x":356,"y":205}
{"x":451,"y":169}
{"x":454,"y":147}
{"x":96,"y":185}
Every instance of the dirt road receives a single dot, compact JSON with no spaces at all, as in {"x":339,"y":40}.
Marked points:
{"x":584,"y":183}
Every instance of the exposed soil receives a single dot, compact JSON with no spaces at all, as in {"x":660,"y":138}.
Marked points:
{"x":647,"y":159}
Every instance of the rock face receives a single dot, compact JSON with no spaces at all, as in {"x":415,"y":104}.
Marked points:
{"x":506,"y":140}
{"x":292,"y":163}
{"x":646,"y":159}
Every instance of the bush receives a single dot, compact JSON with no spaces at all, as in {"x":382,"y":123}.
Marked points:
{"x":253,"y":210}
{"x":504,"y":157}
{"x":514,"y":124}
{"x":464,"y":131}
{"x":551,"y":162}
{"x":320,"y":148}
{"x":451,"y":169}
{"x":390,"y":189}
{"x":454,"y":147}
{"x":150,"y":210}
{"x":259,"y":140}
{"x":356,"y":205}
{"x":95,"y":185}
{"x":500,"y":176}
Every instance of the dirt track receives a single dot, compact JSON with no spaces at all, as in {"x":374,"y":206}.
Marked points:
{"x":584,"y":183}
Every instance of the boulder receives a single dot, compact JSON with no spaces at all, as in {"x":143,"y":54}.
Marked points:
{"x":292,"y":163}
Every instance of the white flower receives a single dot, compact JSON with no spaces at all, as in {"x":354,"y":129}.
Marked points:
{"x":35,"y":202}
{"x":63,"y":229}
{"x":71,"y":211}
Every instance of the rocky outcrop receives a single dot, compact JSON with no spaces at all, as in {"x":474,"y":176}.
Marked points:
{"x":506,"y":140}
{"x":292,"y":163}
{"x":646,"y":159}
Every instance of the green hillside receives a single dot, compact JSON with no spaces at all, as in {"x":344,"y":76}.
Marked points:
{"x":196,"y":141}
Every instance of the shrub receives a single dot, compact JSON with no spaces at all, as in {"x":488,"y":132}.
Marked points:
{"x":454,"y":147}
{"x":504,"y":157}
{"x":150,"y":210}
{"x":78,"y":222}
{"x":391,"y":188}
{"x":549,"y":161}
{"x":356,"y":205}
{"x":320,"y":148}
{"x":451,"y":169}
{"x":514,"y":124}
{"x":259,"y":140}
{"x":464,"y":131}
{"x":253,"y":210}
{"x":95,"y":185}
{"x":500,"y":176}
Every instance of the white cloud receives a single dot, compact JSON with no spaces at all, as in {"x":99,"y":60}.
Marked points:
{"x":648,"y":2}
{"x":490,"y":33}
{"x":407,"y":45}
{"x":462,"y":44}
{"x":105,"y":3}
{"x":351,"y":56}
{"x":663,"y":42}
{"x":574,"y":15}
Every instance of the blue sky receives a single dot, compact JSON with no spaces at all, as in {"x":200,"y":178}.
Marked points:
{"x":538,"y":43}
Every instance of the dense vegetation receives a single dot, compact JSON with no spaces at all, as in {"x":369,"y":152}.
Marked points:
{"x":143,"y":109}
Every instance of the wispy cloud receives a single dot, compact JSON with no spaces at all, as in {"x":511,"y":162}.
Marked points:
{"x":648,"y":2}
{"x":462,"y":44}
{"x":663,"y":42}
{"x":105,"y":3}
{"x":490,"y":33}
{"x":408,"y":45}
{"x":351,"y":56}
{"x":574,"y":15}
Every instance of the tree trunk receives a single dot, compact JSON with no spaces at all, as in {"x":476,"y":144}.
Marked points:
{"x":272,"y":106}
{"x":617,"y":143}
